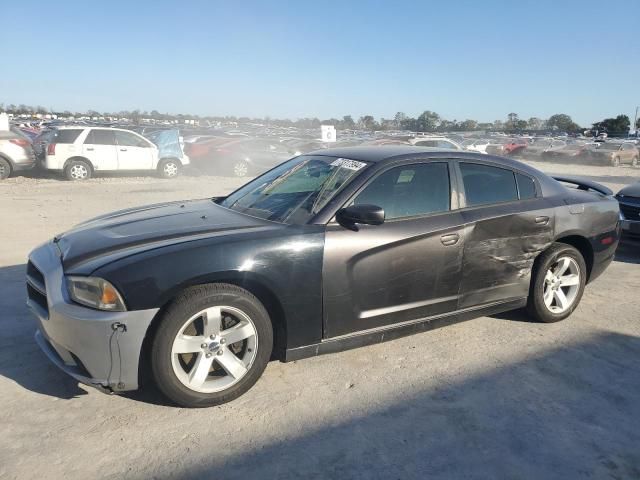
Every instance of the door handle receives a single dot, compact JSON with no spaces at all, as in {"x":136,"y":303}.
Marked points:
{"x":123,"y":149}
{"x":450,"y":239}
{"x":542,"y":220}
{"x":90,"y":149}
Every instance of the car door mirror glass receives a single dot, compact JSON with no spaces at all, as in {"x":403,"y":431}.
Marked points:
{"x":360,"y":214}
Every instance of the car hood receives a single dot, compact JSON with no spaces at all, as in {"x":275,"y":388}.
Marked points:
{"x":126,"y":232}
{"x":632,"y":190}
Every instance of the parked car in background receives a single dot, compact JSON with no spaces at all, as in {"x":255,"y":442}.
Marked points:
{"x":616,"y":154}
{"x":332,"y":250}
{"x":436,"y":142}
{"x":79,"y":152}
{"x":479,"y":146}
{"x":16,"y":152}
{"x":629,"y":200}
{"x":239,"y":157}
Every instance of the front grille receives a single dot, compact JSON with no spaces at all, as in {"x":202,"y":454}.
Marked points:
{"x":36,"y":289}
{"x":630,"y":212}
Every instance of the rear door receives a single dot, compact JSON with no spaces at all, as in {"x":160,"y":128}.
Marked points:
{"x":100,"y":148}
{"x":508,"y":224}
{"x":405,"y":269}
{"x":134,"y":152}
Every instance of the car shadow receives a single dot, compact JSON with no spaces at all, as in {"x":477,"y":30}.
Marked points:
{"x":20,"y":358}
{"x":566,"y":412}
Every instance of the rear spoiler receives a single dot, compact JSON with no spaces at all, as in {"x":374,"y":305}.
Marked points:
{"x":583,"y":184}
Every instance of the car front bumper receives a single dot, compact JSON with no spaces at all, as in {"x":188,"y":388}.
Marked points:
{"x":630,"y":226}
{"x":97,"y":348}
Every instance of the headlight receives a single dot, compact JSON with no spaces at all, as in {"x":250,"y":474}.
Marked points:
{"x":95,"y":293}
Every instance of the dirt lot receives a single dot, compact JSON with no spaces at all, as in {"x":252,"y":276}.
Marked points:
{"x":494,"y":397}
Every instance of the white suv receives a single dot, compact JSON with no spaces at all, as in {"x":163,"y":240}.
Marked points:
{"x":78,"y":152}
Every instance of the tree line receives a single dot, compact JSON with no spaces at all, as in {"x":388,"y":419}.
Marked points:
{"x":427,"y":121}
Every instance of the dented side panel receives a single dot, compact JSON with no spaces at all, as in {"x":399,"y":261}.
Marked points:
{"x":501,"y":245}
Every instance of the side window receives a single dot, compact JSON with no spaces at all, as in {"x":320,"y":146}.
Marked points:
{"x":526,"y":186}
{"x":484,"y":184}
{"x":127,"y":139}
{"x":409,"y":190}
{"x":100,"y":137}
{"x":426,"y":143}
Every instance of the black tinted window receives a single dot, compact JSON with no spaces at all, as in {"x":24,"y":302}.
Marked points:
{"x":66,"y":135}
{"x":127,"y":139}
{"x":100,"y":137}
{"x":526,"y":186}
{"x":409,"y":190}
{"x":484,"y":184}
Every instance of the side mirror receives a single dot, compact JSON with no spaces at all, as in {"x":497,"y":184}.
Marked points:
{"x":363,"y":214}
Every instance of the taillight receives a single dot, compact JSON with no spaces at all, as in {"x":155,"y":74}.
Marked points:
{"x":21,"y":142}
{"x":51,"y":149}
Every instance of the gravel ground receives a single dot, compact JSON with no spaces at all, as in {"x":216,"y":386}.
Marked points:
{"x":494,"y":397}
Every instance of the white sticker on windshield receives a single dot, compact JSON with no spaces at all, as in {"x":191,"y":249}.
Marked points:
{"x":348,"y":164}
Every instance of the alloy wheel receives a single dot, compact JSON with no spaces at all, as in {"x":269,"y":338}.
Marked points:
{"x":561,"y":285}
{"x":79,"y":172}
{"x":170,"y":169}
{"x":240,"y":169}
{"x":214,"y":349}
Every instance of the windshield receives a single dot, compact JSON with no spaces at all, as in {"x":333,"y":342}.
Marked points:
{"x":296,"y":190}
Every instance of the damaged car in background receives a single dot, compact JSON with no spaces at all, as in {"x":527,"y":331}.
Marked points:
{"x":78,"y":153}
{"x":331,"y":250}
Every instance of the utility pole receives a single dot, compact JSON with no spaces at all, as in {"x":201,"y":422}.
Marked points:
{"x":635,"y":122}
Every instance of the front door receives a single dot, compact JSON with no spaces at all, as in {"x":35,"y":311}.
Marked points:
{"x":134,"y":152}
{"x":405,"y":269}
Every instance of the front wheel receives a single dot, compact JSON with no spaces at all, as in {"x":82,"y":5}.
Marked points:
{"x":615,"y":162}
{"x":634,"y":161}
{"x":557,"y":283}
{"x":211,"y":346}
{"x":169,"y":168}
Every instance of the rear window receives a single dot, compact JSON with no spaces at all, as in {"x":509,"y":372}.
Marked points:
{"x":484,"y":184}
{"x":66,"y":135}
{"x":526,"y":186}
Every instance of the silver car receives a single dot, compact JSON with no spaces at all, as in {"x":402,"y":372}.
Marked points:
{"x":16,"y":152}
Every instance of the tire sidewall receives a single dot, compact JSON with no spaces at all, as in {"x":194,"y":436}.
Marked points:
{"x":536,"y":305}
{"x":188,"y":304}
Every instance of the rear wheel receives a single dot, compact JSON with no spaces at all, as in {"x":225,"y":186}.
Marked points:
{"x":557,"y":283}
{"x":211,"y":346}
{"x":77,"y":170}
{"x":5,"y":169}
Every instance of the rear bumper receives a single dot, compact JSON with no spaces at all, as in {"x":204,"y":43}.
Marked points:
{"x":100,"y":349}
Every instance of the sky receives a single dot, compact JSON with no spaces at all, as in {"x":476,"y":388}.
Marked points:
{"x":293,"y":59}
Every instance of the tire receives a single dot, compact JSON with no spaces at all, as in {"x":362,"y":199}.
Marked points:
{"x":615,"y":162}
{"x":634,"y":162}
{"x":5,"y":169}
{"x":544,"y":281}
{"x":227,"y":370}
{"x":169,"y":168}
{"x":78,"y":170}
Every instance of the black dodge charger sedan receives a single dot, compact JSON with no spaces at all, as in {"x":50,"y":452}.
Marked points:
{"x":331,"y":250}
